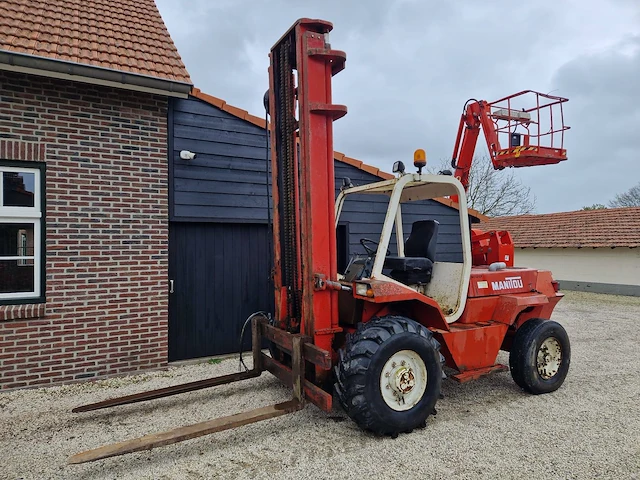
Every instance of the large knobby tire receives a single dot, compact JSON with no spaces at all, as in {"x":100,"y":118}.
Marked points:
{"x":540,"y":356}
{"x":389,"y":375}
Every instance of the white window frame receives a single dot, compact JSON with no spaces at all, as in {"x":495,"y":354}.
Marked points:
{"x":25,"y":215}
{"x":23,"y":245}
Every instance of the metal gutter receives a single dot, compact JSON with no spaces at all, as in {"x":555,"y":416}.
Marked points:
{"x":79,"y":72}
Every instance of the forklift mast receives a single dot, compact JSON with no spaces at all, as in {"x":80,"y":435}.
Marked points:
{"x":302,"y":64}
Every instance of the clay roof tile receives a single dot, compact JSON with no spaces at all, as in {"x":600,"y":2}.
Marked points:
{"x":610,"y":227}
{"x":67,"y":29}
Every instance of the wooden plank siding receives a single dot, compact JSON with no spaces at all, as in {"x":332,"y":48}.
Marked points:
{"x":222,"y":275}
{"x":225,"y":183}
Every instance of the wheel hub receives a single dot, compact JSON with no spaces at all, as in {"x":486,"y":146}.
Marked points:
{"x":549,"y":358}
{"x":403,"y":380}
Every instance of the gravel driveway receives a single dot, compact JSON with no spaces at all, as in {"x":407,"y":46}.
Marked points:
{"x":590,"y":428}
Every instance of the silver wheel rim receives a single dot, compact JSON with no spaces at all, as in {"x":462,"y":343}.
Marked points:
{"x":549,"y":358}
{"x":403,"y":380}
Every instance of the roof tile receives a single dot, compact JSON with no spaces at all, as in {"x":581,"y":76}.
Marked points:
{"x":610,"y":227}
{"x":353,"y":162}
{"x":66,"y":29}
{"x":216,"y":102}
{"x":238,"y":112}
{"x":370,"y":169}
{"x":260,"y":122}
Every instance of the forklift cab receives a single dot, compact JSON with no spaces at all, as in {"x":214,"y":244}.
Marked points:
{"x":415,"y":265}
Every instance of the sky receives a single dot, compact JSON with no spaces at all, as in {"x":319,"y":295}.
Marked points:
{"x":412,"y":64}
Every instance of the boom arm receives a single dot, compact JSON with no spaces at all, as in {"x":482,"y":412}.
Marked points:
{"x":531,"y":132}
{"x":474,"y":117}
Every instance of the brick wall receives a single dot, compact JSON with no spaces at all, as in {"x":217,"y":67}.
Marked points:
{"x":106,"y":231}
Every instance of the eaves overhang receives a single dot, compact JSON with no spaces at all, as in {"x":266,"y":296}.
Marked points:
{"x":80,"y":72}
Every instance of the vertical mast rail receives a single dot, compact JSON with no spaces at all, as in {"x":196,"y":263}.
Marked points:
{"x":304,"y":180}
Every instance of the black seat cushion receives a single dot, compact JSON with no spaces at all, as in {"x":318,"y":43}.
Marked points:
{"x":420,"y":251}
{"x":423,"y":240}
{"x":409,"y":270}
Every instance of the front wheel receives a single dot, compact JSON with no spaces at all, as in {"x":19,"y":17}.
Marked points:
{"x":389,"y":375}
{"x":540,"y":356}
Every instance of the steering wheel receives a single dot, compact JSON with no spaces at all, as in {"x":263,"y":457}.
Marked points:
{"x":369,"y":250}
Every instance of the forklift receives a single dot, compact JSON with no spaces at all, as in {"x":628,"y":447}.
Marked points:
{"x":378,"y":334}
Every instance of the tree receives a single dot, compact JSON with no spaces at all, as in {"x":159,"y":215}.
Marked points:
{"x":495,"y":193}
{"x":595,"y":206}
{"x":630,"y":198}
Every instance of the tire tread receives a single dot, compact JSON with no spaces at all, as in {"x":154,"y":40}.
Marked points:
{"x":355,"y":359}
{"x":523,"y":367}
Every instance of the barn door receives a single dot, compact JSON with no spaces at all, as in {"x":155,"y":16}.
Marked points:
{"x":220,"y":275}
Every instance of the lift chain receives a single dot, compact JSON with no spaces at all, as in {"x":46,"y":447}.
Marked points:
{"x":286,"y":157}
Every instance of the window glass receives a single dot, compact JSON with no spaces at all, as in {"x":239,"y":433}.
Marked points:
{"x":16,"y":240}
{"x":18,"y":189}
{"x":16,"y":277}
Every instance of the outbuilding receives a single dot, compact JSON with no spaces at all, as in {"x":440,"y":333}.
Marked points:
{"x":220,"y":240}
{"x":586,"y":250}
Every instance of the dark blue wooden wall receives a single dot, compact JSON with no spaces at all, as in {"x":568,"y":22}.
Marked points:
{"x":226,"y":181}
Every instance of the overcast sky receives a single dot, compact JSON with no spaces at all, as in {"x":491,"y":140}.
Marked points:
{"x":411,"y":65}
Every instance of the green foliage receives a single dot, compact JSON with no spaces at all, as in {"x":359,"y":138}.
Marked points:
{"x":595,"y":206}
{"x":214,"y":361}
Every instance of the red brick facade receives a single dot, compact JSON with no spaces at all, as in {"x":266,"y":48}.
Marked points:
{"x":106,"y":231}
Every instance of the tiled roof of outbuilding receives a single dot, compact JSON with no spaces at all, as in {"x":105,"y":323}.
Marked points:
{"x":609,"y":227}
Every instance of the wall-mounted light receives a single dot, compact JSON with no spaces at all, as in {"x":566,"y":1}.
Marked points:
{"x":187,"y":155}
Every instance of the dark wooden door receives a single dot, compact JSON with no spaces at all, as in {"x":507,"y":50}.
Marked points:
{"x":220,"y":276}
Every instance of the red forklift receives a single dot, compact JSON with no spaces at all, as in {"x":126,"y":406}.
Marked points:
{"x":378,"y":334}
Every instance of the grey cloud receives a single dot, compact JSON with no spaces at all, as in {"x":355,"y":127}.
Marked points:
{"x":604,"y":115}
{"x":412,"y":64}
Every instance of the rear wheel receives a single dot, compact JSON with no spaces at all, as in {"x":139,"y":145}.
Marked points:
{"x":389,"y":375}
{"x":540,"y":356}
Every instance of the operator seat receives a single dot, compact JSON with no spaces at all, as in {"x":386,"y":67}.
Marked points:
{"x":420,"y":253}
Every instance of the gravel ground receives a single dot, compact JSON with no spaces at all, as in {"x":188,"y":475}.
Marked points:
{"x":484,"y":429}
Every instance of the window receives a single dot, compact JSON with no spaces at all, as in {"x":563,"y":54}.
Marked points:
{"x":21,"y":232}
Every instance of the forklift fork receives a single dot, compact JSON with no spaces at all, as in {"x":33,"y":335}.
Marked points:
{"x":297,"y":345}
